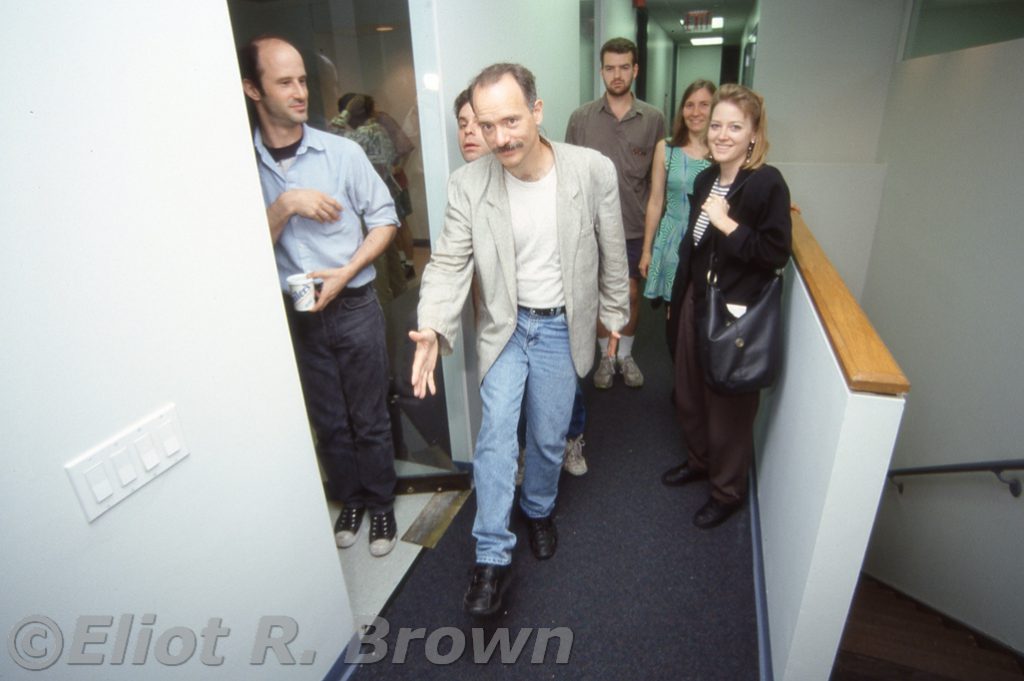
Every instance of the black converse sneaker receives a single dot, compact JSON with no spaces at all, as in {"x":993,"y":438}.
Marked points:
{"x":346,"y":527}
{"x":382,"y":533}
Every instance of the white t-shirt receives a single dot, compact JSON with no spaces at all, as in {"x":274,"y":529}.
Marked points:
{"x":535,"y":232}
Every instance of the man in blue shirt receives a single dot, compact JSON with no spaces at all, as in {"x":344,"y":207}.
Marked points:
{"x":320,"y":190}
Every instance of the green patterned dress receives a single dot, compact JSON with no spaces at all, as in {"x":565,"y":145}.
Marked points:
{"x":680,"y":170}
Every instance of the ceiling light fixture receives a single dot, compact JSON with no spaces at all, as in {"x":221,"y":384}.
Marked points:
{"x":701,"y":42}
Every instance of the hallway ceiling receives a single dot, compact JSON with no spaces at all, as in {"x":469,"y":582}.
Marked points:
{"x":667,"y":13}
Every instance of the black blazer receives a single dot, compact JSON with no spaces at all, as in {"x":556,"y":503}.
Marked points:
{"x":747,"y":258}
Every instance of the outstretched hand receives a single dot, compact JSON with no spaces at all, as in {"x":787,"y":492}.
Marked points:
{"x":423,"y":362}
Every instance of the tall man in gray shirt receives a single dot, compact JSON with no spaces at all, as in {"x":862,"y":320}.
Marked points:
{"x":626,"y":130}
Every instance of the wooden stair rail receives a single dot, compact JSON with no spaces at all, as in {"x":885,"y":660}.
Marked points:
{"x":866,"y":361}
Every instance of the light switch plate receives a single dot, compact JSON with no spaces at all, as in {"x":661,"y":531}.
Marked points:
{"x":111,"y":471}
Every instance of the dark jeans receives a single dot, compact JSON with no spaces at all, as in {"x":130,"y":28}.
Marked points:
{"x":579,"y":414}
{"x":343,"y":366}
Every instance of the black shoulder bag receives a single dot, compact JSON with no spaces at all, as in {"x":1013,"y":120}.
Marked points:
{"x":740,"y":354}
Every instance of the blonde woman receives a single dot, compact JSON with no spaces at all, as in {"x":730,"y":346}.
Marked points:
{"x":740,"y":214}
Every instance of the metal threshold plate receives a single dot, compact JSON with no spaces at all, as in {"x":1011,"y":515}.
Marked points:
{"x":435,"y":518}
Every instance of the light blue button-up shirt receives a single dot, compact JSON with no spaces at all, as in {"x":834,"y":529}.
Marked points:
{"x":338,"y":167}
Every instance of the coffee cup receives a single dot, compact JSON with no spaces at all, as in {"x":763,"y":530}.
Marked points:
{"x":303,"y":290}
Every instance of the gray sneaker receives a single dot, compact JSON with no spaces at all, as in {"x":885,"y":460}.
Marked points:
{"x":631,"y":372}
{"x":574,"y":463}
{"x":605,"y":373}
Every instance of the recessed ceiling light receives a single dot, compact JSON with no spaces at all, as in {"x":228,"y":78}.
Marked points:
{"x":384,"y":28}
{"x":700,"y":42}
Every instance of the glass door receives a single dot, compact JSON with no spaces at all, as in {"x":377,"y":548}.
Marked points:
{"x":358,"y":53}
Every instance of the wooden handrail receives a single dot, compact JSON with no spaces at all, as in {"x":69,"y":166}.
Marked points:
{"x":866,"y":361}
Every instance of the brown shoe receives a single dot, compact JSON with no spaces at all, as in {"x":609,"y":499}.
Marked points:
{"x":714,"y":513}
{"x":677,"y":476}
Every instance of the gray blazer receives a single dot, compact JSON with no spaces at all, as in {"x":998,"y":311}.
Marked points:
{"x":477,"y":237}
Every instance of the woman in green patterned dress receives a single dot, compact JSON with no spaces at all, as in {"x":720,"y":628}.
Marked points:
{"x":677,"y":160}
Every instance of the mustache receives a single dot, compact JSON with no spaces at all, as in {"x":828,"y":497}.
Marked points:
{"x":511,"y":146}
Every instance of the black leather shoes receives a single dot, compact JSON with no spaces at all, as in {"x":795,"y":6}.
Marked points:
{"x":486,"y":593}
{"x":714,"y":513}
{"x":543,"y":537}
{"x":678,"y":476}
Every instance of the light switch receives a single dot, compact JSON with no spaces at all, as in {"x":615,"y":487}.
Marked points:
{"x":99,"y":483}
{"x":125,"y":467}
{"x":169,"y":439}
{"x":110,"y":472}
{"x":147,"y":452}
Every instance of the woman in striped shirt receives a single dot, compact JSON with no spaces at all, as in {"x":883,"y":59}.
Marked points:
{"x":740,"y":212}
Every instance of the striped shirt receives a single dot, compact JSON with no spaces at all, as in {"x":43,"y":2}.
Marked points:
{"x":701,"y":225}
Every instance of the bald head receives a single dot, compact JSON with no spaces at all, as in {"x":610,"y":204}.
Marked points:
{"x":274,"y":80}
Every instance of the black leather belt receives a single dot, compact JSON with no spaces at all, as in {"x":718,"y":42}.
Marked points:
{"x":543,"y":311}
{"x":355,"y":292}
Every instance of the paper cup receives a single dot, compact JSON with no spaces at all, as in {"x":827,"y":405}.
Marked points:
{"x":303,"y":292}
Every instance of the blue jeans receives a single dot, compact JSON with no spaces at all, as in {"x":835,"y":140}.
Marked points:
{"x":536,"y":362}
{"x":577,"y":422}
{"x":343,"y":366}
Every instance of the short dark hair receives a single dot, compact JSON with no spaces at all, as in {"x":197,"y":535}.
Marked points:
{"x":620,"y":46}
{"x":495,"y":72}
{"x":249,"y":58}
{"x":462,"y":100}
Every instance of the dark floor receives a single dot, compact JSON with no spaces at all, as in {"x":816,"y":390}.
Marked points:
{"x":891,"y":637}
{"x":645,"y":593}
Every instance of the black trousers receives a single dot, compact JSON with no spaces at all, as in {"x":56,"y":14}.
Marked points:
{"x":343,"y":366}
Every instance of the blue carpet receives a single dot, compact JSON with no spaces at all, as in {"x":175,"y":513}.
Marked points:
{"x":645,"y":593}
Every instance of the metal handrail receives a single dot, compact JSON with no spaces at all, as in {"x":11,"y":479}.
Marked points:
{"x":995,"y":467}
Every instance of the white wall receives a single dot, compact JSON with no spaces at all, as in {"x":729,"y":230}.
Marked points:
{"x":822,"y":454}
{"x":841,"y":202}
{"x":139,"y":272}
{"x":696,"y":62}
{"x":942,"y":289}
{"x":824,"y":67}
